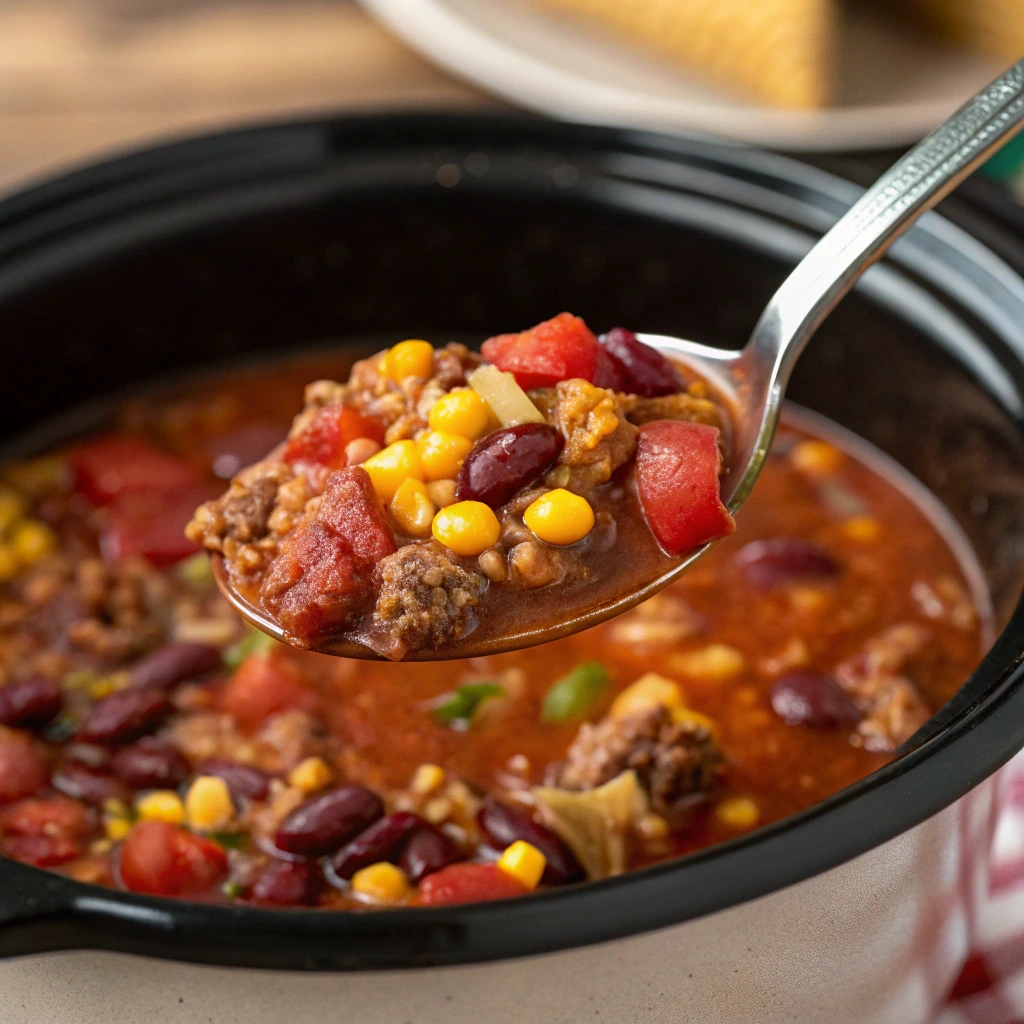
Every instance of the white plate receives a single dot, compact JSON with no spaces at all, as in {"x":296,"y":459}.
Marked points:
{"x":894,"y":86}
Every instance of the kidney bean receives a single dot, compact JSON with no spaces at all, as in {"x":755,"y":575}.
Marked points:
{"x":505,"y":461}
{"x":637,"y":368}
{"x":814,"y":699}
{"x":286,"y":883}
{"x":93,"y":785}
{"x":503,"y":824}
{"x":30,"y":704}
{"x":42,"y":851}
{"x":379,"y":842}
{"x":22,"y":768}
{"x":173,"y":664}
{"x":125,"y":715}
{"x":243,"y":780}
{"x":766,"y":563}
{"x":324,"y":823}
{"x":150,"y":764}
{"x":428,"y":850}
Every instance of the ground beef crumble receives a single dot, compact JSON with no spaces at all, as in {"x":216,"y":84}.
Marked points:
{"x":674,"y":761}
{"x":426,"y":598}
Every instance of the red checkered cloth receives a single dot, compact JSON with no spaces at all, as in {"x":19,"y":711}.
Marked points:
{"x":990,"y":990}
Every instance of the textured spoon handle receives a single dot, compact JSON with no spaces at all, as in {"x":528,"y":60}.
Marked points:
{"x":909,"y":188}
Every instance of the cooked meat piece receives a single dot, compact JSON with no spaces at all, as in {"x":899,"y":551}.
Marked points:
{"x":598,"y":438}
{"x":675,"y":762}
{"x":403,"y":406}
{"x":426,"y":598}
{"x":679,"y":406}
{"x":893,"y":708}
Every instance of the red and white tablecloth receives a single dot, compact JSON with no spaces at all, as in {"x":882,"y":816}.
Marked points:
{"x":990,"y":989}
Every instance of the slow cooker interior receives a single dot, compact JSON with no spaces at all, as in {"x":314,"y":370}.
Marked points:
{"x":200,"y":282}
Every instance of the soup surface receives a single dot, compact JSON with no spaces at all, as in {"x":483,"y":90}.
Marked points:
{"x":149,"y":740}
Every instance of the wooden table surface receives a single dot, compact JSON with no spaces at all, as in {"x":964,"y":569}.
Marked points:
{"x":79,"y":78}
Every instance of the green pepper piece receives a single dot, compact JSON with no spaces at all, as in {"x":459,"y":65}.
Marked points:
{"x":460,"y":705}
{"x":574,"y":694}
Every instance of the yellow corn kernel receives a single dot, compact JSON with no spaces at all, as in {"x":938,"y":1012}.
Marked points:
{"x":161,"y":805}
{"x":467,"y":527}
{"x":310,"y":775}
{"x":686,"y":716}
{"x":36,"y":477}
{"x":441,"y":492}
{"x":442,"y":455}
{"x":716,"y":661}
{"x":863,"y":529}
{"x":462,"y":412}
{"x":32,"y":540}
{"x":382,"y":881}
{"x":392,"y":466}
{"x":116,"y":829}
{"x":12,"y":507}
{"x":816,"y":457}
{"x":428,"y":779}
{"x":115,"y":808}
{"x":208,"y":803}
{"x":411,"y":508}
{"x":412,"y":358}
{"x":523,"y":862}
{"x":739,"y":812}
{"x":560,"y":517}
{"x":9,"y":564}
{"x":647,"y":692}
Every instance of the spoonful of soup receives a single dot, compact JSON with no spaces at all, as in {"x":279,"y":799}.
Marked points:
{"x":446,"y":504}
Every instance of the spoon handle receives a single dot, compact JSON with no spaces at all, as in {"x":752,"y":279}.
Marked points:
{"x":911,"y":186}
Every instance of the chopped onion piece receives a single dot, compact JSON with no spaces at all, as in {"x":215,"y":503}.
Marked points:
{"x":509,"y":402}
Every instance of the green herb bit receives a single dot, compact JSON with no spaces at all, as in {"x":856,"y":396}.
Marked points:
{"x":196,"y":571}
{"x":255,"y":643}
{"x":62,"y":728}
{"x":461,"y":704}
{"x":574,"y":694}
{"x":233,"y":890}
{"x":229,"y":840}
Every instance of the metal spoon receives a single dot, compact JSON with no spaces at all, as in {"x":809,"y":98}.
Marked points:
{"x":755,"y":377}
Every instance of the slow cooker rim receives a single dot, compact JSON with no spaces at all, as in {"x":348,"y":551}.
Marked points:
{"x":46,"y":911}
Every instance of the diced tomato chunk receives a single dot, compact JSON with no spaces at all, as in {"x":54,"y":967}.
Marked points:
{"x":164,"y":860}
{"x":468,"y":883}
{"x":45,"y":832}
{"x":323,"y":441}
{"x":558,"y":349}
{"x":320,"y":579}
{"x":152,"y":524}
{"x":677,"y":478}
{"x":263,"y":686}
{"x":22,"y":768}
{"x":113,"y":465}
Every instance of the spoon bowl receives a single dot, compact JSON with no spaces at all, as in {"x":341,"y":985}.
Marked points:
{"x":752,"y":381}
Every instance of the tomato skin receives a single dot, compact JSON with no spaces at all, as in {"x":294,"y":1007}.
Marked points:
{"x":152,"y":524}
{"x":45,"y":832}
{"x":677,"y":479}
{"x":22,"y":768}
{"x":468,"y":883}
{"x":113,"y":465}
{"x":262,"y":686}
{"x":164,"y":860}
{"x":557,"y":349}
{"x":323,"y":441}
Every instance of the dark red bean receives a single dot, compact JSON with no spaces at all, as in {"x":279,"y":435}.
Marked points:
{"x":428,"y":850}
{"x":503,"y":463}
{"x":379,"y":842}
{"x":173,"y":664}
{"x":125,"y":716}
{"x":766,"y":563}
{"x":285,"y":883}
{"x":92,"y":785}
{"x":324,"y":823}
{"x":503,"y":824}
{"x":243,"y":780}
{"x":150,"y":764}
{"x":635,"y":367}
{"x":814,"y":699}
{"x":30,"y":704}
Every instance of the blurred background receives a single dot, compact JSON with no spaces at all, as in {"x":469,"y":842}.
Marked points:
{"x":78,"y":77}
